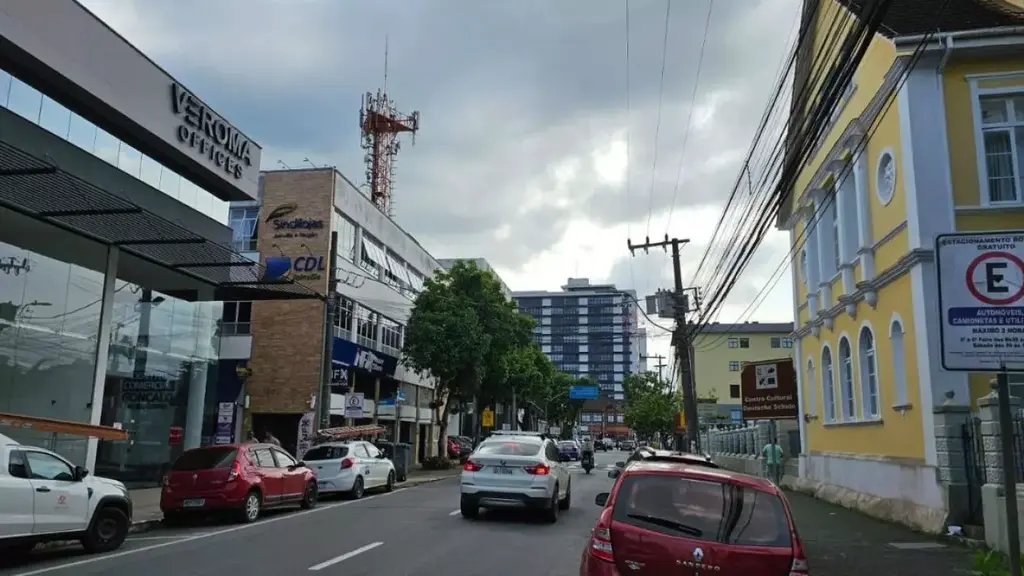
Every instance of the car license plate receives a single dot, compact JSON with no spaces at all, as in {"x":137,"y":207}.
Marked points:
{"x":503,"y":470}
{"x":194,"y":503}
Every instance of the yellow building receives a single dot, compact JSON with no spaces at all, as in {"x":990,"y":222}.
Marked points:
{"x":719,"y":352}
{"x":888,"y":175}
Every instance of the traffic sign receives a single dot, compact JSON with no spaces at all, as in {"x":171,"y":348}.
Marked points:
{"x":487,"y":418}
{"x":981,"y":299}
{"x":354,"y":405}
{"x":584,"y":393}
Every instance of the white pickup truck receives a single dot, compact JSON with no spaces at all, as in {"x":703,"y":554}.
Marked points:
{"x":45,"y":498}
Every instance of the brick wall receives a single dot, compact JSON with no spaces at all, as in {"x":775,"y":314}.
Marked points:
{"x":287,"y":341}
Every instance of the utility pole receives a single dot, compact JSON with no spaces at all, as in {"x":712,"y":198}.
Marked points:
{"x":681,"y":334}
{"x":660,"y":365}
{"x":331,"y":302}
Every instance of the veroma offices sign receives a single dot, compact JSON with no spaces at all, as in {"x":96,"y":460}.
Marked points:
{"x":223,"y":145}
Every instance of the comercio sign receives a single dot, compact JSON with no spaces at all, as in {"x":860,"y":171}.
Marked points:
{"x":209,"y":134}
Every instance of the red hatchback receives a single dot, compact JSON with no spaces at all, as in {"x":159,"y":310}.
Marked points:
{"x":245,"y":478}
{"x":674,"y":518}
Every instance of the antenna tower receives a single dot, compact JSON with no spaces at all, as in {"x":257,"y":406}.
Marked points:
{"x":381,"y":124}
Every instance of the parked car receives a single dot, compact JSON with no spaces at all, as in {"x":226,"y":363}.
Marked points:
{"x":647,"y":454}
{"x":666,"y":516}
{"x":627,"y":445}
{"x":453,"y":449}
{"x":515,"y":471}
{"x":568,"y":450}
{"x":241,"y":478}
{"x":350,"y":468}
{"x":45,"y":498}
{"x":464,"y":444}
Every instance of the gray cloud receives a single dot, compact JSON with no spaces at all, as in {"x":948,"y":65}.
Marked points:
{"x":511,"y":94}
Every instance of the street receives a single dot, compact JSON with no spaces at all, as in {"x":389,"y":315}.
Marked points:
{"x":419,"y":532}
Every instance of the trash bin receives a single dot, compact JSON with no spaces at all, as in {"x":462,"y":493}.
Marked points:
{"x":401,"y":455}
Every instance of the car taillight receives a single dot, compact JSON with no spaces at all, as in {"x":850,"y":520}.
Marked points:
{"x":347,"y":463}
{"x":601,"y":538}
{"x":538,"y":469}
{"x":236,"y":471}
{"x":471,"y":466}
{"x":799,"y":566}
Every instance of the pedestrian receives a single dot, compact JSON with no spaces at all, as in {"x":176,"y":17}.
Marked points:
{"x":772,"y":454}
{"x":269,"y":438}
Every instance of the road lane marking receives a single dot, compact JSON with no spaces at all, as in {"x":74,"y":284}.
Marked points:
{"x":459,"y":511}
{"x":140,"y":538}
{"x":346,"y":556}
{"x":238,"y":528}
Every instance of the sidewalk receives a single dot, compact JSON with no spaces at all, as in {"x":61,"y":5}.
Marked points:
{"x":147,"y":500}
{"x":842,"y":542}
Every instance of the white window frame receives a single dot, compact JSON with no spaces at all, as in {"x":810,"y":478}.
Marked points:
{"x":1008,"y":92}
{"x":812,"y":383}
{"x":899,"y":362}
{"x":734,"y":342}
{"x":828,"y":385}
{"x":234,"y":327}
{"x":847,"y":381}
{"x":868,"y":365}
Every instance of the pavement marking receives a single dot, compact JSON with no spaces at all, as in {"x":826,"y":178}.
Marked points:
{"x":459,"y":511}
{"x":138,"y":538}
{"x":346,"y":556}
{"x":238,"y":528}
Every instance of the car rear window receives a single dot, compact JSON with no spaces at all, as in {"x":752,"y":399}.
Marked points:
{"x":325,"y":453}
{"x":702,"y":509}
{"x":205,"y":459}
{"x":509,"y":448}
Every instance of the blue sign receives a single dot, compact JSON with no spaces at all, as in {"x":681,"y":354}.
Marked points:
{"x":351,"y":354}
{"x":391,"y":401}
{"x":298,"y":268}
{"x":584,"y":393}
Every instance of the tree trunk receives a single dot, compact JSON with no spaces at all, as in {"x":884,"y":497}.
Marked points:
{"x":442,"y":414}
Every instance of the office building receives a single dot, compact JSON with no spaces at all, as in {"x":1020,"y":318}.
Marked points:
{"x":114,"y":188}
{"x":279,"y":346}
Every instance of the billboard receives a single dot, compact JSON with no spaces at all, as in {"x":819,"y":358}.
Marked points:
{"x":768,"y":389}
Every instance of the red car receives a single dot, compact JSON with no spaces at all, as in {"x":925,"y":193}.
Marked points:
{"x":241,"y":478}
{"x":665,"y":517}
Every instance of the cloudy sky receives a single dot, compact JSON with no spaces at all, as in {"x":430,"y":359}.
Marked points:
{"x":522,"y":153}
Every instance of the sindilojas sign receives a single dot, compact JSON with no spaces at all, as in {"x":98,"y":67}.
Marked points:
{"x":769,"y":390}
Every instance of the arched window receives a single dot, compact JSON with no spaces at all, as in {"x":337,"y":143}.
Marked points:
{"x":868,"y":373}
{"x":811,"y":405}
{"x":846,"y":380}
{"x":899,"y":364}
{"x":828,"y":387}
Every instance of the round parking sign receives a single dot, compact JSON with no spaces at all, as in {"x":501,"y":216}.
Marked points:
{"x":996,"y":278}
{"x":354,"y":401}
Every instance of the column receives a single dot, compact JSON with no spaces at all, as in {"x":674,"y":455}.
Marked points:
{"x":823,"y":236}
{"x":950,"y":420}
{"x":841,"y":203}
{"x":416,"y":425}
{"x":865,"y":247}
{"x":102,"y":350}
{"x":196,"y":404}
{"x":988,"y":405}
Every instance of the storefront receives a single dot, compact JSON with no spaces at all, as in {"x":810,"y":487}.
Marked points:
{"x":114,"y":187}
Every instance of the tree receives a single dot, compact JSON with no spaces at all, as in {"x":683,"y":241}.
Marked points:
{"x":529,"y":373}
{"x":462,"y":331}
{"x":651,"y":407}
{"x":635,"y":386}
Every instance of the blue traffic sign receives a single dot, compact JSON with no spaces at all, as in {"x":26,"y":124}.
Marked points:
{"x":584,"y":393}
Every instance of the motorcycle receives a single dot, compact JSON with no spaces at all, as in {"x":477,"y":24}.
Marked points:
{"x":588,"y":462}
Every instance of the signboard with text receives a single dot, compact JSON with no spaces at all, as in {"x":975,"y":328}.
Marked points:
{"x":768,"y":389}
{"x":347,"y":353}
{"x":981,"y":300}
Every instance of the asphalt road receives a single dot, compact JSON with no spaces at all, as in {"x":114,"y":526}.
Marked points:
{"x":410,"y":532}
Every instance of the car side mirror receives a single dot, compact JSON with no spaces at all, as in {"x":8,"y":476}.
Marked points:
{"x":601,"y":499}
{"x":620,"y":464}
{"x":614,"y":473}
{"x":80,"y":473}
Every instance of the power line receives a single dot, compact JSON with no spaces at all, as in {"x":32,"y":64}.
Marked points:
{"x":657,"y":123}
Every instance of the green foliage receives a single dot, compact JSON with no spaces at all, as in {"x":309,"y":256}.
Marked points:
{"x":651,"y":407}
{"x":437,"y":463}
{"x":992,"y":563}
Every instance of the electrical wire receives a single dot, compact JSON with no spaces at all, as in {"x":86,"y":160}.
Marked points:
{"x":629,"y":163}
{"x":657,"y":123}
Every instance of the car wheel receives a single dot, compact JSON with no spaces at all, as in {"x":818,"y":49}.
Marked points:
{"x":390,"y":486}
{"x":107,"y":531}
{"x":252,"y":506}
{"x":469,"y":508}
{"x":551,"y":512}
{"x":310,"y":498}
{"x":564,"y":503}
{"x":357,"y":489}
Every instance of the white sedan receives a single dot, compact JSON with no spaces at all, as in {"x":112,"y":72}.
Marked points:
{"x":515,"y":471}
{"x":350,"y":468}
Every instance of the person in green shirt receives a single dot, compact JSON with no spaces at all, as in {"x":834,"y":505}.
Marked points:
{"x":772,"y":454}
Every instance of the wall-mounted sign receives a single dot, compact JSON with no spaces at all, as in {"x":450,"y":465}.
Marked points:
{"x":209,"y":134}
{"x":348,"y":353}
{"x":769,"y":390}
{"x":147,"y":392}
{"x":299,"y":268}
{"x":285,"y":227}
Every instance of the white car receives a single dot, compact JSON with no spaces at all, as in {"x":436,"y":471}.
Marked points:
{"x":350,"y":468}
{"x":44,"y":498}
{"x":515,"y":471}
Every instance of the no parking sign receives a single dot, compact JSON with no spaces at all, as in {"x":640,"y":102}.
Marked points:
{"x":981,"y":298}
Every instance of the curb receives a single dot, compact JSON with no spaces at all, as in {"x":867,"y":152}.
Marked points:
{"x":145,"y":525}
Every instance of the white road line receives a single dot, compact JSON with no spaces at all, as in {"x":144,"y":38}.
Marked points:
{"x":459,"y":511}
{"x":179,"y":536}
{"x":238,"y":528}
{"x":346,"y":556}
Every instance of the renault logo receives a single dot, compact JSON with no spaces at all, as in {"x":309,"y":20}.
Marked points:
{"x":698,"y":562}
{"x":698,"y":555}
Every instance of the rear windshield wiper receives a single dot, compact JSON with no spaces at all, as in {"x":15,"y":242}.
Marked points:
{"x":666,"y":523}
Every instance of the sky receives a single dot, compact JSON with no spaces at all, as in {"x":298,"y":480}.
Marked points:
{"x":530,"y":154}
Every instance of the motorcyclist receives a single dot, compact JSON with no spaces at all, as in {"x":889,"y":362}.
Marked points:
{"x":587,"y":449}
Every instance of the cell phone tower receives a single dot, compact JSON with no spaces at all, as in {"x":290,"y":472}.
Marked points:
{"x":381,"y":125}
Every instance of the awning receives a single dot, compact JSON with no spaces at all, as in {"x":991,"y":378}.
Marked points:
{"x":41,"y":190}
